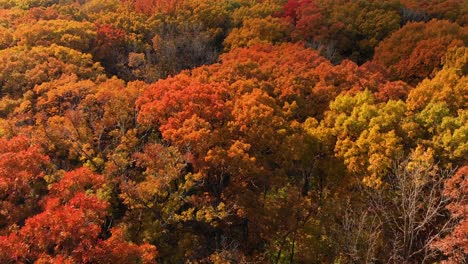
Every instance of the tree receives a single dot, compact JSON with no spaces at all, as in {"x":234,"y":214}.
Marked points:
{"x":69,"y":228}
{"x":22,"y":183}
{"x":454,"y":244}
{"x":258,"y":30}
{"x":6,"y":38}
{"x":342,"y":29}
{"x":27,"y":4}
{"x":185,"y":110}
{"x":150,"y":7}
{"x":425,"y":46}
{"x":437,"y":105}
{"x":453,"y":10}
{"x":72,"y":34}
{"x":246,"y":9}
{"x":393,"y":91}
{"x":23,"y":68}
{"x":412,"y":207}
{"x":109,"y":47}
{"x":448,"y":85}
{"x":368,"y":136}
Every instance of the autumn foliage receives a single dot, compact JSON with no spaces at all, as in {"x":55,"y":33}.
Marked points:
{"x":233,"y":131}
{"x":455,"y":244}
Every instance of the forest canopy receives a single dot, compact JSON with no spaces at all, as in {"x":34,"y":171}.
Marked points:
{"x":233,"y":131}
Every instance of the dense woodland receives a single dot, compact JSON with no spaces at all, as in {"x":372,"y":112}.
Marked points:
{"x":233,"y":131}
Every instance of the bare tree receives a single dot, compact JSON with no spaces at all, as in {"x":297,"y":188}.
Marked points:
{"x":361,"y":232}
{"x":412,"y":208}
{"x":408,"y":15}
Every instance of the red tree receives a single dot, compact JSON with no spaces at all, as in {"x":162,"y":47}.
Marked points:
{"x":21,"y":180}
{"x":455,"y":245}
{"x":69,"y":230}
